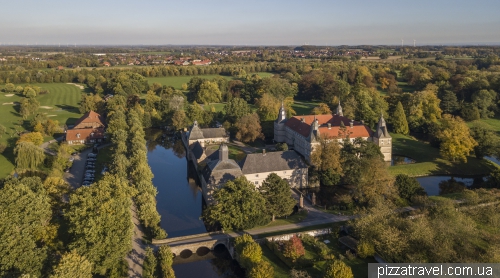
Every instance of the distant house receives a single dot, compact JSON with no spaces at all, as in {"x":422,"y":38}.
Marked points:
{"x":59,"y":68}
{"x":181,"y":63}
{"x":201,"y":62}
{"x":89,"y":129}
{"x":106,"y":64}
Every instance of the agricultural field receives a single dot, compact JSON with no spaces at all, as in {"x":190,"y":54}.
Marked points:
{"x":177,"y":81}
{"x":60,"y":104}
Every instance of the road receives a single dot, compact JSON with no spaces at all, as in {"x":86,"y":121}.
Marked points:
{"x":135,"y":258}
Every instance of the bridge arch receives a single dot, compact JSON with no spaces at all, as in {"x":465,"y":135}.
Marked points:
{"x":202,"y":251}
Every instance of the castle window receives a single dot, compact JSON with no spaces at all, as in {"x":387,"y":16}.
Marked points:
{"x":256,"y":182}
{"x":284,"y":172}
{"x":257,"y":175}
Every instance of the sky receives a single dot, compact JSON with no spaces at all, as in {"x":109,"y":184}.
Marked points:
{"x":256,"y":22}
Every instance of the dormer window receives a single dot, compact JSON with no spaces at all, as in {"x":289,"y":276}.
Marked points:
{"x":78,"y":135}
{"x":91,"y":134}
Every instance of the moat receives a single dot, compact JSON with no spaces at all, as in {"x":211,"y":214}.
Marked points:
{"x":179,"y":202}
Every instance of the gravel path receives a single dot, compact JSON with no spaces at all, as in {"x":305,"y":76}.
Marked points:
{"x":135,"y":258}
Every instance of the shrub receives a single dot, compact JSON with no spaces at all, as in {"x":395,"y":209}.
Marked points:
{"x":365,"y":249}
{"x":293,"y":248}
{"x":338,"y":269}
{"x":262,"y":269}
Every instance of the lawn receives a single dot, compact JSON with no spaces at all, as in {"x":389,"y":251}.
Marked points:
{"x":491,"y":123}
{"x":304,"y":107}
{"x":60,"y":104}
{"x":234,"y":152}
{"x":429,"y":162}
{"x":177,"y":81}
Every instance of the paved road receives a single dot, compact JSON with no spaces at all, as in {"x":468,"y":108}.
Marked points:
{"x":135,"y":258}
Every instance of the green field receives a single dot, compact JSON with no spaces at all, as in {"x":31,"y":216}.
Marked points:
{"x":177,"y":81}
{"x":304,"y":107}
{"x":60,"y":104}
{"x":429,"y":162}
{"x":492,"y":123}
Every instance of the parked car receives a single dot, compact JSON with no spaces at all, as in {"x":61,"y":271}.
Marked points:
{"x":71,"y":159}
{"x":90,"y":162}
{"x":88,"y":179}
{"x":91,"y":155}
{"x":90,"y":167}
{"x":90,"y":171}
{"x":91,"y":159}
{"x":86,"y":183}
{"x":67,"y":169}
{"x":74,"y":153}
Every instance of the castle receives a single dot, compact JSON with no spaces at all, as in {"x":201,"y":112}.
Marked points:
{"x":302,"y":133}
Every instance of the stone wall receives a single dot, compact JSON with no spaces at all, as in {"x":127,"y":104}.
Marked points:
{"x":313,"y":233}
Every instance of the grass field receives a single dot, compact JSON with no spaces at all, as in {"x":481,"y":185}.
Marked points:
{"x":429,"y":162}
{"x":60,"y":104}
{"x":304,"y":107}
{"x":177,"y":81}
{"x":492,"y":123}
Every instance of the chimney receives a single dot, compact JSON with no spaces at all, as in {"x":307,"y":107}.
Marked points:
{"x":329,"y":126}
{"x":351,"y":124}
{"x":362,"y":122}
{"x":302,"y":120}
{"x":264,"y":152}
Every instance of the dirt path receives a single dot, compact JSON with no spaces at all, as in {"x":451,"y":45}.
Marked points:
{"x":136,"y":257}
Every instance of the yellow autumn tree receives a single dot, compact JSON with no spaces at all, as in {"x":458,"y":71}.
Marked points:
{"x":456,"y":141}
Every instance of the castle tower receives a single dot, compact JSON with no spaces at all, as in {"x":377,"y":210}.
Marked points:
{"x":383,"y":139}
{"x":279,"y":125}
{"x":223,"y":152}
{"x":339,"y":110}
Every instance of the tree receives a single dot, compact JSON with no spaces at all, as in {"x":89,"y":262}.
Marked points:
{"x":375,"y":182}
{"x":321,"y":109}
{"x":262,"y":269}
{"x":484,"y":100}
{"x":278,"y":87}
{"x":99,"y":222}
{"x":150,"y":264}
{"x":249,"y":128}
{"x":338,"y":269}
{"x":165,"y":260}
{"x":399,"y":120}
{"x":28,"y":106}
{"x":327,"y":160}
{"x":278,"y":196}
{"x":488,"y":143}
{"x":33,"y":137}
{"x":208,"y":92}
{"x":179,"y":119}
{"x":293,"y":248}
{"x":365,"y":249}
{"x":267,"y":107}
{"x":25,"y":213}
{"x":73,"y":265}
{"x":408,"y":187}
{"x":250,"y":255}
{"x":449,"y":102}
{"x":238,"y":205}
{"x":235,"y":109}
{"x":28,"y":156}
{"x":455,"y":138}
{"x":384,"y":55}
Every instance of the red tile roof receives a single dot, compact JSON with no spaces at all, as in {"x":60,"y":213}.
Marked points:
{"x":85,"y":134}
{"x":89,"y":118}
{"x":304,"y":128}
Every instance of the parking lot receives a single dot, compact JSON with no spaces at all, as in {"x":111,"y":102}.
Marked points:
{"x":81,"y":171}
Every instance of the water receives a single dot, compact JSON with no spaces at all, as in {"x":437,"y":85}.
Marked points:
{"x":398,"y":160}
{"x":179,"y":202}
{"x":494,"y":159}
{"x":439,"y":185}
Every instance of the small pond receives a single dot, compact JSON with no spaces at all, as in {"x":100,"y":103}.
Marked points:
{"x":399,"y":160}
{"x":439,"y":185}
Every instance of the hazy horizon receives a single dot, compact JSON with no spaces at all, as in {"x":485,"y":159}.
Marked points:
{"x":259,"y":23}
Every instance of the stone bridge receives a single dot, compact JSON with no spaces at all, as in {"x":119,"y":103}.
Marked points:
{"x":200,"y":244}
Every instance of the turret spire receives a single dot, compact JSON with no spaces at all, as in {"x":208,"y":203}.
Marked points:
{"x":282,"y":113}
{"x":339,"y":110}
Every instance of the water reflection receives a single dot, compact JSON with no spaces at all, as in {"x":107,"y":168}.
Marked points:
{"x":212,"y":265}
{"x":439,"y":185}
{"x":399,"y":160}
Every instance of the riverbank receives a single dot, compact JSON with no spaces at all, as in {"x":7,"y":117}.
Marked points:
{"x":429,"y":162}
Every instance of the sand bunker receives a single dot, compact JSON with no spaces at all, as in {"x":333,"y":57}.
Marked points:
{"x":45,"y":107}
{"x":79,"y":86}
{"x":8,"y":103}
{"x":9,"y":95}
